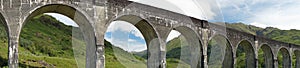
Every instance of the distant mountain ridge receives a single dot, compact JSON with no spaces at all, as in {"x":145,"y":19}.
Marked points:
{"x":289,"y":36}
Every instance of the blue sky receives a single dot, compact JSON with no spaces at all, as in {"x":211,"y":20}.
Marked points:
{"x":124,"y":35}
{"x":282,"y":14}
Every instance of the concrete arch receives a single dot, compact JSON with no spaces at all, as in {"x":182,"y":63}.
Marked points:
{"x":286,"y":61}
{"x":148,"y":32}
{"x":80,"y":17}
{"x":246,"y":46}
{"x":268,"y":56}
{"x":141,"y":24}
{"x":228,"y":59}
{"x":191,"y":36}
{"x":297,"y":54}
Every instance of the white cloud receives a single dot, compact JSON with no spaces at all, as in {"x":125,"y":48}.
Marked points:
{"x":131,"y":40}
{"x":137,"y":33}
{"x":123,"y":34}
{"x":282,"y":14}
{"x":202,"y":9}
{"x":64,"y":19}
{"x":126,"y":27}
{"x":129,"y":44}
{"x":173,"y":34}
{"x":259,"y":25}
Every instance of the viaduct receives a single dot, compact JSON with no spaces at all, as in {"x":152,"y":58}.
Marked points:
{"x":94,"y":16}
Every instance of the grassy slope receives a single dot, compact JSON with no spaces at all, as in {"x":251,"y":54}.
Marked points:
{"x":116,"y":57}
{"x":44,"y":42}
{"x":174,"y":48}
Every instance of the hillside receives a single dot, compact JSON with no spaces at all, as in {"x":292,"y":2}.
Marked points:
{"x":44,"y":42}
{"x":116,"y":57}
{"x":174,"y":48}
{"x":289,"y":36}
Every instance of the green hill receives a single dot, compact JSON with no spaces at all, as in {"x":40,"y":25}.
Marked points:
{"x":174,"y":48}
{"x":44,"y":42}
{"x":116,"y":57}
{"x":289,"y":36}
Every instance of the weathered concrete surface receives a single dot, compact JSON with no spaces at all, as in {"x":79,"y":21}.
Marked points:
{"x":94,"y":16}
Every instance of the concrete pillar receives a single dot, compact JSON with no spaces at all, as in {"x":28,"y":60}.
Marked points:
{"x":256,"y":46}
{"x":275,"y":63}
{"x":13,"y":50}
{"x":163,"y":53}
{"x":13,"y":44}
{"x":204,"y":46}
{"x":163,"y":32}
{"x":100,"y":22}
{"x":14,"y":32}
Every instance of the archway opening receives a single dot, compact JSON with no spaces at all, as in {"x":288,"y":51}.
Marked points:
{"x":183,"y":49}
{"x":296,"y":59}
{"x":265,"y":57}
{"x":283,"y":58}
{"x":3,"y":44}
{"x":51,"y":40}
{"x":131,"y":41}
{"x":245,"y":57}
{"x":45,"y":41}
{"x":219,"y":53}
{"x":125,"y":46}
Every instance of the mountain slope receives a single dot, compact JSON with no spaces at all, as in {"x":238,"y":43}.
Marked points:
{"x":289,"y":36}
{"x":44,"y":42}
{"x":116,"y":57}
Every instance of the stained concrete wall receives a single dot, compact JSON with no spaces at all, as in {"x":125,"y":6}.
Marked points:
{"x":94,"y":16}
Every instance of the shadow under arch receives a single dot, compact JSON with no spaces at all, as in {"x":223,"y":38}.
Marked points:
{"x":297,"y":56}
{"x":194,"y":46}
{"x":267,"y":55}
{"x":82,"y":19}
{"x":4,"y":23}
{"x":248,"y":58}
{"x":286,"y":61}
{"x":220,"y":44}
{"x":149,"y":34}
{"x":5,"y":38}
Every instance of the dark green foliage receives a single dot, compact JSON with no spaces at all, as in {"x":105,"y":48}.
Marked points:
{"x":241,"y":58}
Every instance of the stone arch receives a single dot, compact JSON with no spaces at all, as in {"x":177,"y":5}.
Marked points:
{"x":286,"y":59}
{"x":267,"y":55}
{"x":149,"y":34}
{"x":192,"y":38}
{"x":297,"y":54}
{"x":80,"y":17}
{"x":222,"y":40}
{"x":250,"y":61}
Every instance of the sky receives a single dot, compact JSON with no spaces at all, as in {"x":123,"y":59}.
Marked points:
{"x":282,"y":14}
